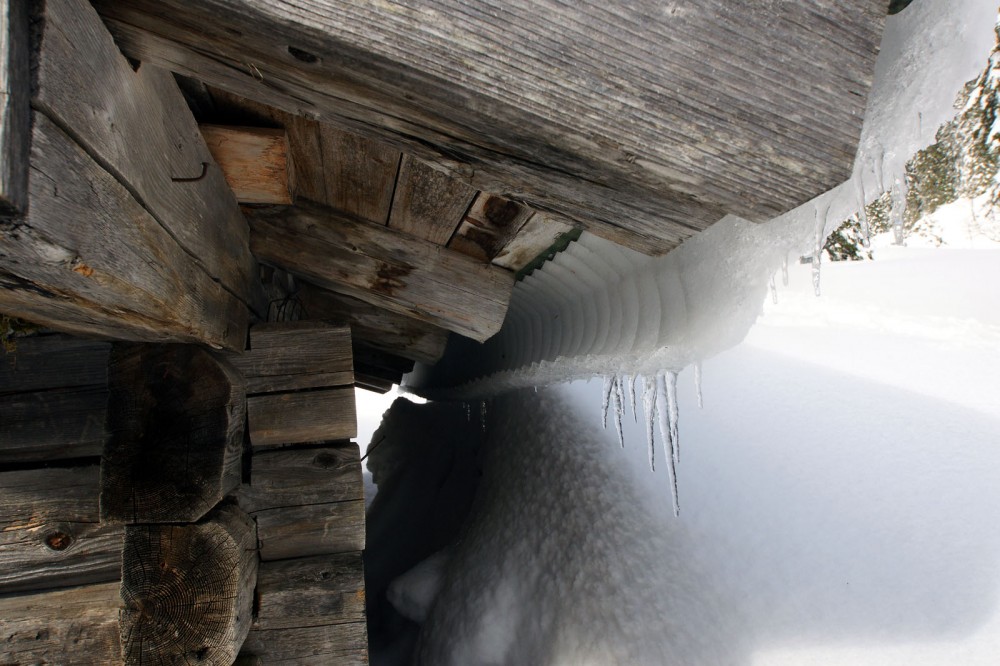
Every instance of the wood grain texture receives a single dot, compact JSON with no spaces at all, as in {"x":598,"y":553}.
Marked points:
{"x":311,"y":591}
{"x":176,"y":418}
{"x":491,"y":224}
{"x":15,"y":111}
{"x":77,"y":625}
{"x":642,"y":120}
{"x":374,"y":326}
{"x":146,"y":143}
{"x":255,"y":161}
{"x":114,"y":272}
{"x":187,"y":590}
{"x":278,"y":419}
{"x":428,"y":203}
{"x":294,"y":477}
{"x":387,"y":269}
{"x":289,"y":356}
{"x":341,"y":644}
{"x":50,"y":530}
{"x":53,"y":361}
{"x":314,"y":529}
{"x":57,"y":424}
{"x":536,"y":236}
{"x":360,"y":174}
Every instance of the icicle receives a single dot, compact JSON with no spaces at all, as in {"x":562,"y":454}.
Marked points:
{"x":784,"y":270}
{"x":482,"y":414}
{"x":878,"y":166}
{"x":818,"y":252}
{"x":774,"y":290}
{"x":609,"y":385}
{"x":649,"y":407}
{"x":666,"y":407}
{"x":697,"y":384}
{"x":866,"y":230}
{"x":619,"y":411}
{"x":897,"y":212}
{"x":630,"y":380}
{"x":468,"y":413}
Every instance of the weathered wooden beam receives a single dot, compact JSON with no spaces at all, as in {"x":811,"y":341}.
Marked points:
{"x":636,"y":122}
{"x":307,"y":501}
{"x":289,"y":356}
{"x":536,"y":236}
{"x":374,"y":326}
{"x":77,"y":625}
{"x":151,"y":144}
{"x":388,"y":269}
{"x":428,"y":203}
{"x":490,"y":225}
{"x":50,"y":530}
{"x":53,"y":361}
{"x":374,"y":384}
{"x":255,"y":161}
{"x":342,"y":644}
{"x":56,"y":424}
{"x":15,"y":112}
{"x":278,"y":419}
{"x":176,"y":417}
{"x":187,"y":590}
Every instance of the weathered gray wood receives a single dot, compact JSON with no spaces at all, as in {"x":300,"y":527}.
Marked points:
{"x":187,"y":590}
{"x":536,"y":236}
{"x":53,"y":361}
{"x":293,"y":477}
{"x":15,"y":111}
{"x":176,"y":418}
{"x":639,"y":121}
{"x":428,"y":203}
{"x":77,"y":625}
{"x":53,"y":425}
{"x":311,"y":591}
{"x":276,"y":419}
{"x":151,"y":144}
{"x":315,"y":529}
{"x":491,"y":224}
{"x":255,"y":161}
{"x":289,"y":356}
{"x":374,"y":326}
{"x":391,"y":270}
{"x":114,"y":272}
{"x":50,"y":530}
{"x":360,"y":174}
{"x":341,"y":644}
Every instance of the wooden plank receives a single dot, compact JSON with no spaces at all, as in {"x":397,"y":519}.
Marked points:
{"x":360,"y":174}
{"x":315,"y":529}
{"x":428,"y":203}
{"x":176,"y":418}
{"x":490,"y":225}
{"x":152,"y":144}
{"x":341,"y":644}
{"x":374,"y":326}
{"x":15,"y":112}
{"x":77,"y":625}
{"x":636,"y":122}
{"x":51,"y":425}
{"x":53,"y":361}
{"x":187,"y":590}
{"x":536,"y":236}
{"x":278,"y":419}
{"x":256,"y":162}
{"x":293,"y":477}
{"x":374,"y":384}
{"x":289,"y":356}
{"x":392,"y":270}
{"x":311,"y":592}
{"x":115,"y":272}
{"x":50,"y":530}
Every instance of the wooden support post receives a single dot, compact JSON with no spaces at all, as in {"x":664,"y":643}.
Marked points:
{"x":50,"y":530}
{"x":255,"y":161}
{"x":187,"y":590}
{"x":307,"y":501}
{"x":428,"y":203}
{"x":176,"y":420}
{"x":77,"y":625}
{"x":391,"y":270}
{"x":15,"y":112}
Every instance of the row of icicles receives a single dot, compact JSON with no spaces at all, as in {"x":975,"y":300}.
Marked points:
{"x":659,"y":406}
